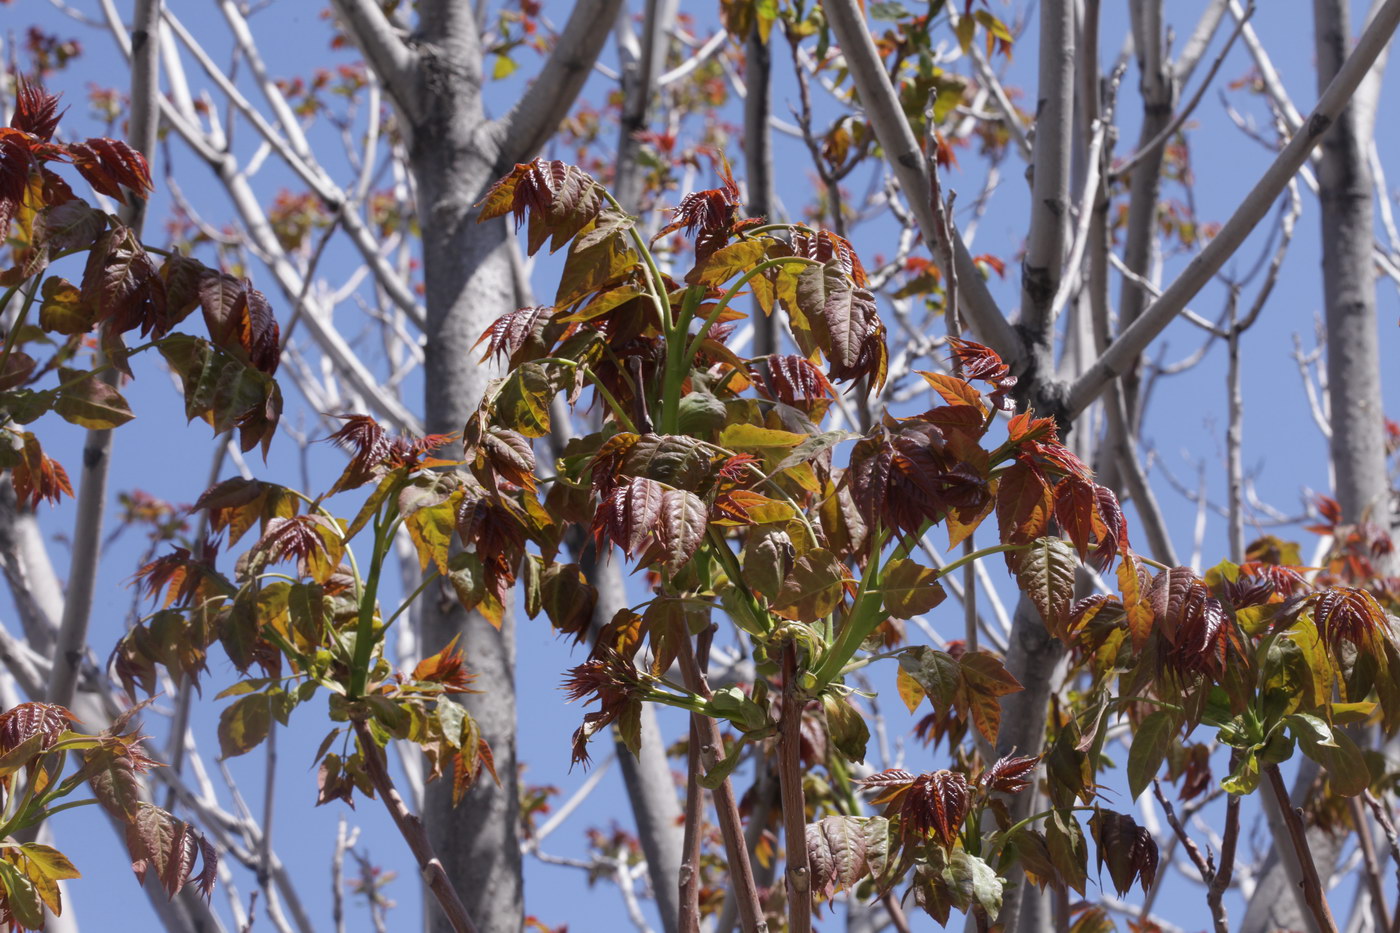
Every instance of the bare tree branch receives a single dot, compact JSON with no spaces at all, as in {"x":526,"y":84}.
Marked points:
{"x":1130,"y":343}
{"x":385,"y":52}
{"x":883,"y":110}
{"x":522,"y":132}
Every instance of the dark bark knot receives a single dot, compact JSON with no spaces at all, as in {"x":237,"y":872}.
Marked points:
{"x":1037,"y":283}
{"x":1318,"y":124}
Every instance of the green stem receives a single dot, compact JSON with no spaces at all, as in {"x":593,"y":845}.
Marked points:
{"x":858,"y":623}
{"x":412,"y":596}
{"x":677,"y":363}
{"x":13,"y":336}
{"x":734,"y":289}
{"x":735,"y":573}
{"x":364,"y":628}
{"x":978,"y":554}
{"x":658,"y":284}
{"x":607,"y":396}
{"x":45,"y":814}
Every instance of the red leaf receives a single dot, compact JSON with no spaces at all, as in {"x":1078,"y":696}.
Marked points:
{"x":509,"y":332}
{"x":559,"y":199}
{"x":1348,"y":614}
{"x":1024,"y":503}
{"x":794,"y":380}
{"x":982,"y":363}
{"x":36,"y":110}
{"x":824,"y":247}
{"x":240,"y":320}
{"x":109,"y":164}
{"x":1009,"y":775}
{"x":1075,"y":510}
{"x":629,"y":516}
{"x":936,"y":803}
{"x":707,"y":214}
{"x":27,"y":720}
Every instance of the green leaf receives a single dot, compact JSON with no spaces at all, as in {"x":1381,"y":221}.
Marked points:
{"x":846,"y":727}
{"x":90,"y":403}
{"x":937,"y":672}
{"x":1045,"y":572}
{"x":813,"y":447}
{"x":243,"y":724}
{"x":523,"y":401}
{"x":1244,"y":778}
{"x":813,"y":589}
{"x":49,"y":861}
{"x":766,"y":442}
{"x":430,"y":530}
{"x":62,"y":310}
{"x":223,"y":391}
{"x":1332,"y":748}
{"x":975,"y":880}
{"x":21,"y":898}
{"x":1150,"y":745}
{"x":910,"y":589}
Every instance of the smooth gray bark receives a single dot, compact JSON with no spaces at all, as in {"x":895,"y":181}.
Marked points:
{"x":455,"y":153}
{"x":1345,"y":192}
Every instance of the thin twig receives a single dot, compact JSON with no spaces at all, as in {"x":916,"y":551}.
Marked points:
{"x":726,"y":806}
{"x":799,"y":882}
{"x":1313,"y":894}
{"x":413,"y":832}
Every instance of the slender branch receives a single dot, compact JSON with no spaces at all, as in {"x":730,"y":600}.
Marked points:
{"x":1185,"y":112}
{"x":689,"y":920}
{"x":1373,"y":866}
{"x":413,"y":832}
{"x":886,"y":116}
{"x":799,"y":877}
{"x":1313,"y":894}
{"x":726,"y":806}
{"x":1120,"y":355}
{"x":387,"y":55}
{"x":530,"y":123}
{"x":70,"y":649}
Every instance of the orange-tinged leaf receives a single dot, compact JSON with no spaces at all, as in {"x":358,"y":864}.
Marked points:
{"x":1133,"y":583}
{"x":986,"y":680}
{"x":1024,"y":503}
{"x":953,"y":390}
{"x":910,"y":690}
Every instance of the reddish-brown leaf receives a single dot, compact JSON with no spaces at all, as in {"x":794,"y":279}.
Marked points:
{"x":936,"y":803}
{"x":447,"y":667}
{"x":110,"y":164}
{"x":1024,"y":503}
{"x":629,"y":516}
{"x":559,"y":199}
{"x":36,"y":110}
{"x":846,"y":322}
{"x":240,"y":320}
{"x":122,"y":287}
{"x":1075,"y":510}
{"x":794,"y":380}
{"x":27,"y":720}
{"x":1009,"y":775}
{"x":1127,"y":848}
{"x":708,"y":215}
{"x":983,"y":364}
{"x":35,"y":476}
{"x":1348,"y":614}
{"x":511,"y":331}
